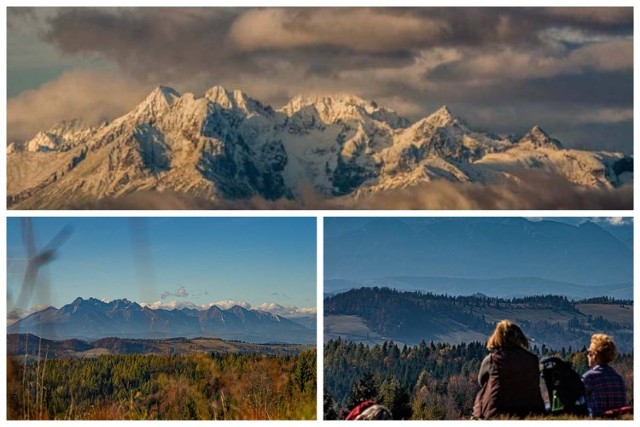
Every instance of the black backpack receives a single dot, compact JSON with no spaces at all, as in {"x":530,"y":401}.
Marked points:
{"x":564,"y":385}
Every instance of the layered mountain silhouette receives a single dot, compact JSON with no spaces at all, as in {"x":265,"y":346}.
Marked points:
{"x":226,"y":146}
{"x":91,"y":319}
{"x":461,"y":256}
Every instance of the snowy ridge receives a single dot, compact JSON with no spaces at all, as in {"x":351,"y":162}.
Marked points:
{"x":93,"y":318}
{"x":225,"y":145}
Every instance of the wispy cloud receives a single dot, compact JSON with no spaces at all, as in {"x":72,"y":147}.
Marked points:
{"x":91,"y":96}
{"x":615,"y":221}
{"x":17,"y":314}
{"x":180,"y":292}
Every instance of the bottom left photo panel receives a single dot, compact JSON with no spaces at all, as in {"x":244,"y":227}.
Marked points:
{"x":152,"y":318}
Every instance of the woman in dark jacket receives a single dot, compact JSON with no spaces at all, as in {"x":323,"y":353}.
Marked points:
{"x":509,"y":376}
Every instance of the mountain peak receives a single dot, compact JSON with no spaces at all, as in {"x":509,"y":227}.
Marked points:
{"x":342,"y":106}
{"x":219,"y":95}
{"x":234,"y":100}
{"x":328,"y":106}
{"x":155,"y":104}
{"x":538,"y":138}
{"x":442,"y":117}
{"x":537,"y":131}
{"x":162,"y":94}
{"x":167,"y":92}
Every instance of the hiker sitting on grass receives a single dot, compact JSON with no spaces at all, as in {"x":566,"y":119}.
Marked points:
{"x":509,"y":376}
{"x":603,"y":385}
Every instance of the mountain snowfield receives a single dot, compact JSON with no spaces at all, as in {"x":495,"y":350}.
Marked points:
{"x":225,"y":146}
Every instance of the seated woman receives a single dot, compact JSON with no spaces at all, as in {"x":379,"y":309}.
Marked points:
{"x":604,"y":387}
{"x":509,"y":376}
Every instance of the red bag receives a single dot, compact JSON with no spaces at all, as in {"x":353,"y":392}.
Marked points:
{"x":360,"y":409}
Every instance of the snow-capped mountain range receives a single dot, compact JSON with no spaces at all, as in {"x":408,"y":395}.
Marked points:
{"x":225,"y":145}
{"x":92,"y":319}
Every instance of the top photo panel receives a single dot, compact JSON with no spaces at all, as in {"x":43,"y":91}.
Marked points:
{"x":320,"y":108}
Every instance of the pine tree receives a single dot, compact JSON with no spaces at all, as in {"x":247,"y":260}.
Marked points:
{"x":329,"y":407}
{"x":395,"y":397}
{"x":363,"y":389}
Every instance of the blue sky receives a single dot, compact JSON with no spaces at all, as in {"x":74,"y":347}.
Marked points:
{"x":182,"y":261}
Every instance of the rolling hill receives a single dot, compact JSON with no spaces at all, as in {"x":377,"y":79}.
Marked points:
{"x":34,"y":347}
{"x":373,"y":315}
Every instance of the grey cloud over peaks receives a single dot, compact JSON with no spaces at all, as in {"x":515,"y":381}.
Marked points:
{"x":376,"y":30}
{"x":91,"y":96}
{"x":533,"y":62}
{"x":146,"y":42}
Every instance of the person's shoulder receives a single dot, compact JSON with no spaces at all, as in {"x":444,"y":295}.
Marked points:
{"x":612,"y":372}
{"x":593,"y":372}
{"x":526,"y":353}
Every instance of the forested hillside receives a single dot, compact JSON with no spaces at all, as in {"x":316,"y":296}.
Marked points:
{"x":154,"y":387}
{"x":425,"y":381}
{"x":411,"y":317}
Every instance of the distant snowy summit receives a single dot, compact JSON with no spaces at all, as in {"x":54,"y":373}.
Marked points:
{"x":226,"y":146}
{"x":91,"y":319}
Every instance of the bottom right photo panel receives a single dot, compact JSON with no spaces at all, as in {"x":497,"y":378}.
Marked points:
{"x":438,"y":318}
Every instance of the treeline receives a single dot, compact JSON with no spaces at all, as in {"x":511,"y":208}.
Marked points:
{"x":408,"y":316}
{"x":426,"y":381}
{"x":153,"y":387}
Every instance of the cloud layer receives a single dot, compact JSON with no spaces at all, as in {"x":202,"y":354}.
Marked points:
{"x":289,"y":311}
{"x":91,"y":96}
{"x":532,"y":62}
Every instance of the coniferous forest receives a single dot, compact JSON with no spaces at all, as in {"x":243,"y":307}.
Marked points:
{"x":164,"y":387}
{"x":430,"y":381}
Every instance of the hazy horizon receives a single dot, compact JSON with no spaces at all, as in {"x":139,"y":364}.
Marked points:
{"x":502,"y":257}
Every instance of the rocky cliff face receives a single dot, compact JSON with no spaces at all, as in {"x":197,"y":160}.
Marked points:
{"x":225,"y":145}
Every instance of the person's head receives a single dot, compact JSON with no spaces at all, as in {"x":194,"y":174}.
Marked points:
{"x":601,"y":351}
{"x":507,"y":335}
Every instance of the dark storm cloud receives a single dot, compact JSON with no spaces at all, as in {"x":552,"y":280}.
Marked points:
{"x":530,"y":62}
{"x":388,"y":30}
{"x":165,"y":42}
{"x":193,"y":40}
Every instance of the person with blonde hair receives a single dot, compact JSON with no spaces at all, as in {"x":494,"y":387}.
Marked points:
{"x":604,"y":387}
{"x":509,"y":376}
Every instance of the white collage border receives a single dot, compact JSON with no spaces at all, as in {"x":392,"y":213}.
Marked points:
{"x":319,"y":214}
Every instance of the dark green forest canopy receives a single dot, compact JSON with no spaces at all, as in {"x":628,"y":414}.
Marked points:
{"x":425,"y":381}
